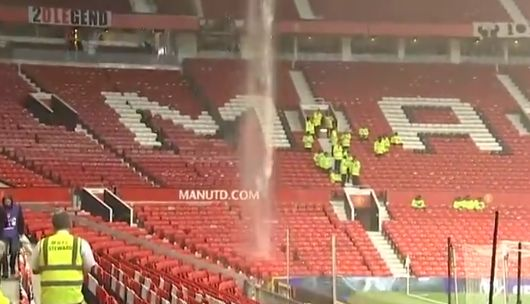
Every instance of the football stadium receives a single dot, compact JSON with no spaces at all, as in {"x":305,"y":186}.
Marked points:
{"x":265,"y":151}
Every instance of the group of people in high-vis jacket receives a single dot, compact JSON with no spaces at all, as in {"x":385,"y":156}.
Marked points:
{"x":468,"y":203}
{"x":465,"y":203}
{"x":341,"y":165}
{"x":383,"y":144}
{"x":313,"y":124}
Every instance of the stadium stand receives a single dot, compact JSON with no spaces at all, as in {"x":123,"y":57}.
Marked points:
{"x":411,"y":11}
{"x":237,"y":9}
{"x":457,"y":163}
{"x":196,"y":227}
{"x":185,"y":169}
{"x":118,"y":6}
{"x":175,"y":7}
{"x":427,"y":246}
{"x":134,"y":274}
{"x":54,"y":152}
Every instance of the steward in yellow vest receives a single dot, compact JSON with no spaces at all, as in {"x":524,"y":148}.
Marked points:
{"x":60,"y":261}
{"x":396,"y":139}
{"x":337,"y":155}
{"x":345,"y":140}
{"x":308,"y":140}
{"x":329,"y":122}
{"x":317,"y":119}
{"x":355,"y":171}
{"x":418,"y":203}
{"x":364,"y":133}
{"x":334,"y":137}
{"x":309,"y":126}
{"x":379,"y":147}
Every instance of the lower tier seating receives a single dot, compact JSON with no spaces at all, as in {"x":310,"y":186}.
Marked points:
{"x":140,"y":275}
{"x":422,"y":234}
{"x":311,"y":224}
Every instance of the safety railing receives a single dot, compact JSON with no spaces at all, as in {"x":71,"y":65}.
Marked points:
{"x":26,"y":284}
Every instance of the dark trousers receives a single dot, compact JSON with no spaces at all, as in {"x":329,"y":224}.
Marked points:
{"x":354,"y":180}
{"x":344,"y":179}
{"x":337,"y":165}
{"x":13,"y":248}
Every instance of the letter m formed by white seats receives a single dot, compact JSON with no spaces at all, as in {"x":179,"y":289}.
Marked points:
{"x":469,"y":124}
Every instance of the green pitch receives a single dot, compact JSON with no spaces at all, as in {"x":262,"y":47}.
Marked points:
{"x":433,"y":298}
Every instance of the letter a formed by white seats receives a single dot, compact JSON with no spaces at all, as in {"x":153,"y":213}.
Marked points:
{"x":470,"y":122}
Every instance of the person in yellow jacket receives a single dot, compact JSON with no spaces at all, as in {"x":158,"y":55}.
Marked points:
{"x":479,"y":204}
{"x":308,"y":140}
{"x":355,"y":171}
{"x":364,"y":133}
{"x":337,"y":155}
{"x":344,"y":168}
{"x":345,"y":140}
{"x":396,"y":139}
{"x":309,"y":126}
{"x":62,"y":260}
{"x":329,"y":123}
{"x":334,"y":137}
{"x":386,"y":143}
{"x":418,"y":203}
{"x":317,"y":120}
{"x":379,"y":147}
{"x":326,"y":162}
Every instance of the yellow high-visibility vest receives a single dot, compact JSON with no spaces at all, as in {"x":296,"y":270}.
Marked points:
{"x":61,"y":266}
{"x":3,"y":299}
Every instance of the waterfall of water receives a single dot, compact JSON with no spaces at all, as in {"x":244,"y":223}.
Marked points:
{"x":257,"y":147}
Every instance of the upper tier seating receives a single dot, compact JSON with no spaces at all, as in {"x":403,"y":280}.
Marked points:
{"x":116,"y":6}
{"x":66,"y":157}
{"x":17,"y":176}
{"x":220,"y":89}
{"x":455,"y":162}
{"x":130,"y":263}
{"x":412,"y":11}
{"x":82,"y":88}
{"x":200,"y":161}
{"x":238,"y":9}
{"x":422,"y":234}
{"x":170,"y":7}
{"x":310,"y":223}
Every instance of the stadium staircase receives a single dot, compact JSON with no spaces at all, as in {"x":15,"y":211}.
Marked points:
{"x":303,"y":7}
{"x":197,"y":5}
{"x":384,"y":247}
{"x":515,"y":92}
{"x":143,"y":6}
{"x":513,"y":10}
{"x":338,"y":208}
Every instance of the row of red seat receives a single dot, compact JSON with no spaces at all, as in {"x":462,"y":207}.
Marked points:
{"x":311,"y":225}
{"x":144,"y":275}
